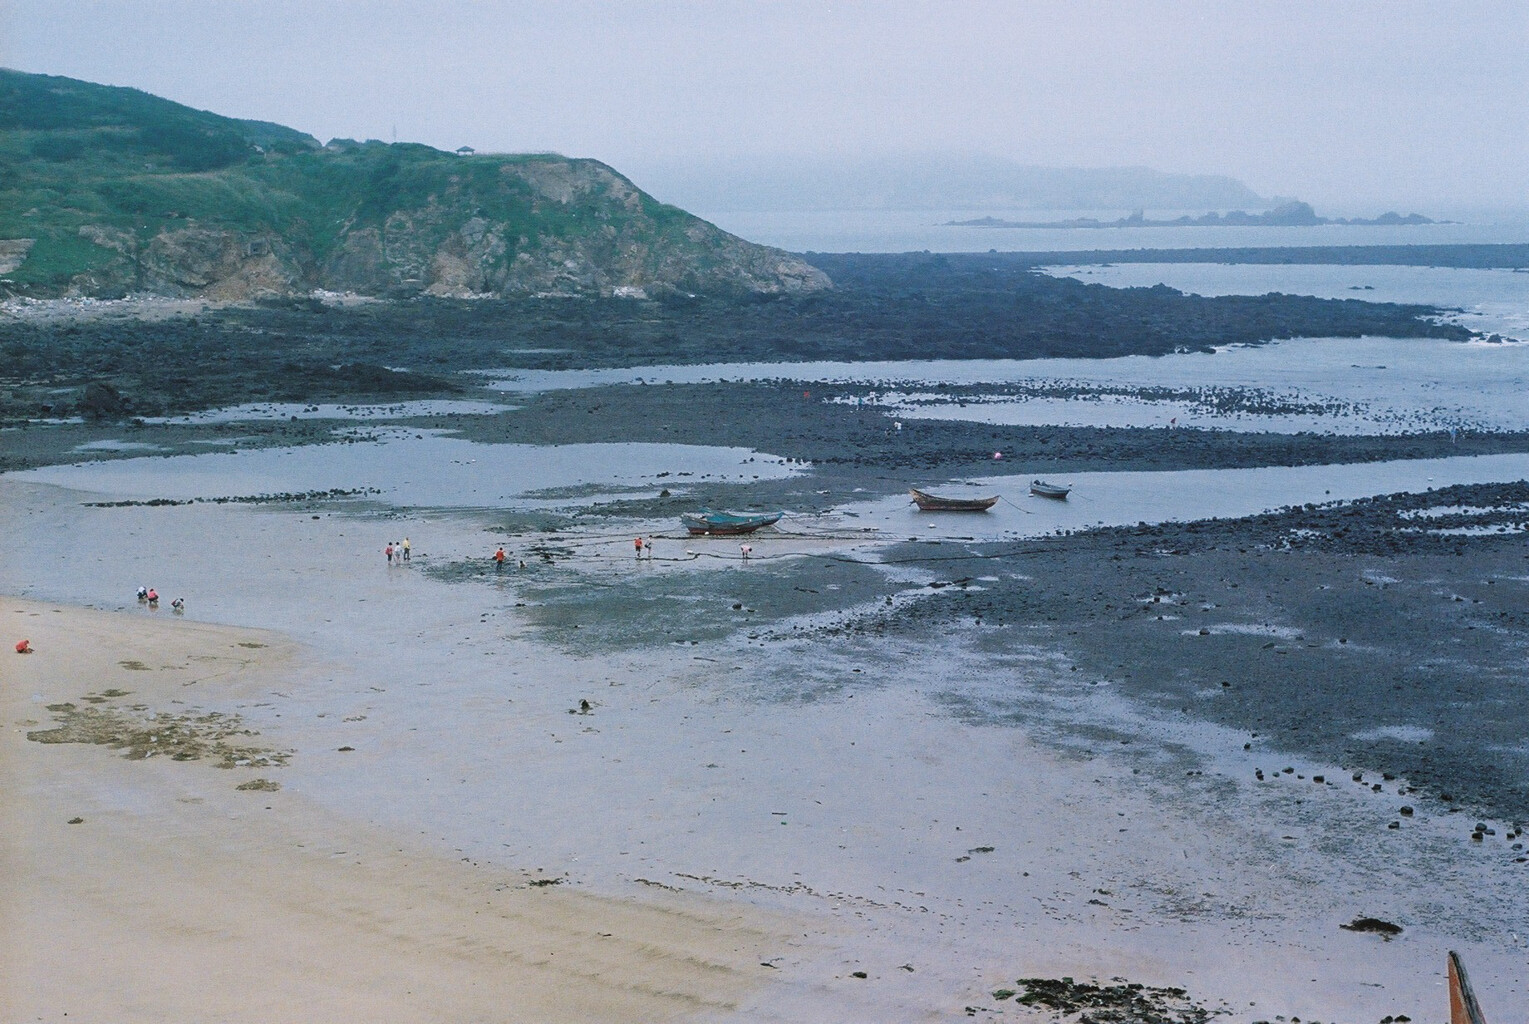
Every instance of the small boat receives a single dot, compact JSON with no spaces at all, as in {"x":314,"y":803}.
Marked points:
{"x":1041,"y":489}
{"x":935,"y":503}
{"x":706,"y":521}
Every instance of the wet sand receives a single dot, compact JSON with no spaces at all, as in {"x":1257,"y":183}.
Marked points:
{"x":817,"y":798}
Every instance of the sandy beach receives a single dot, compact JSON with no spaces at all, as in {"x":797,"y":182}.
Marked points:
{"x":152,"y":889}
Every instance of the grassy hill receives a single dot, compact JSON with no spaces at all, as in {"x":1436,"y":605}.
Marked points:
{"x":106,"y":191}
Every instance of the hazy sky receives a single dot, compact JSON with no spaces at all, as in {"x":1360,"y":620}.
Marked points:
{"x":1395,"y":103}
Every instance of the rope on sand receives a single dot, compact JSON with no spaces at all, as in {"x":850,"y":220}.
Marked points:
{"x":1006,"y":501}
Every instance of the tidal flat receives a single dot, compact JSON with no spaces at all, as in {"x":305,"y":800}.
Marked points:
{"x":1241,"y":690}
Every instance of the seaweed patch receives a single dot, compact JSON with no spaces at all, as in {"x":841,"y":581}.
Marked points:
{"x":190,"y":736}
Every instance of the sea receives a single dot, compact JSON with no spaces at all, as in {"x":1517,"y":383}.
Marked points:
{"x":932,"y":230}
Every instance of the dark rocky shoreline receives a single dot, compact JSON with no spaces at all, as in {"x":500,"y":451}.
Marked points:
{"x":908,"y":306}
{"x":817,"y":424}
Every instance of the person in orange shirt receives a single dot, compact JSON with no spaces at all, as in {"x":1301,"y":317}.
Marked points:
{"x":499,"y":557}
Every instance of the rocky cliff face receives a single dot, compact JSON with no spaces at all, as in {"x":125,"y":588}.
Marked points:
{"x":446,"y":246}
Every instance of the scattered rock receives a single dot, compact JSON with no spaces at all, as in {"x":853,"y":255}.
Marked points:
{"x":1121,"y":1003}
{"x":1374,"y":926}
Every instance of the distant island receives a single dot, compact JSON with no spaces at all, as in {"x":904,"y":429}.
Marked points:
{"x":1285,"y":215}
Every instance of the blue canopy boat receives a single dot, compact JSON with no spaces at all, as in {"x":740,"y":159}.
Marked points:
{"x":707,"y":521}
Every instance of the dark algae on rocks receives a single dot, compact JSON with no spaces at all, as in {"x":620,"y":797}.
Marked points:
{"x":1122,"y":1002}
{"x":883,"y":308}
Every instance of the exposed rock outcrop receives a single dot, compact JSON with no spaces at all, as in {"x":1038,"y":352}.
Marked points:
{"x":626,"y":245}
{"x":13,"y":251}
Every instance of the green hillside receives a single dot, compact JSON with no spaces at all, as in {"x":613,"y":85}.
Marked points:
{"x":107,"y":190}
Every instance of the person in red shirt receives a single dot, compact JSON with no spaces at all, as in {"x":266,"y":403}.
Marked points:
{"x":499,"y":557}
{"x":23,"y":647}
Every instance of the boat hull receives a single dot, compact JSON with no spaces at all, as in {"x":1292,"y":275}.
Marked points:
{"x":1041,"y":489}
{"x":726,"y":524}
{"x":927,"y":502}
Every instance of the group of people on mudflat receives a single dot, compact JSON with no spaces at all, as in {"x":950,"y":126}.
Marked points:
{"x":150,"y":597}
{"x":401,"y":550}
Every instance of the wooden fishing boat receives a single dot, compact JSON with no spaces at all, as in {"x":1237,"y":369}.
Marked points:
{"x":935,"y":503}
{"x":707,"y":521}
{"x":1041,"y":489}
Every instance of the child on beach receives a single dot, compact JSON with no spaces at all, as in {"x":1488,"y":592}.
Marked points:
{"x":388,"y":551}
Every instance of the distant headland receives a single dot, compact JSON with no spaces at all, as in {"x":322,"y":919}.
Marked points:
{"x":108,"y":191}
{"x":1285,"y":215}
